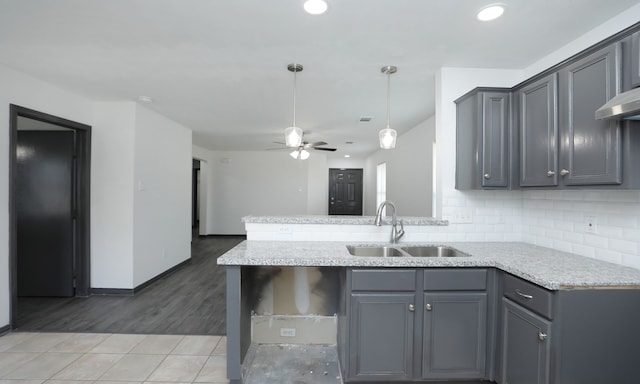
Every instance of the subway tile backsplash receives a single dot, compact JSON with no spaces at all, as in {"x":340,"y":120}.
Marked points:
{"x":553,"y":219}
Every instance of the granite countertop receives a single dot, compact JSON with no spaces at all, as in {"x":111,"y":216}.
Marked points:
{"x":337,"y":219}
{"x":543,"y":266}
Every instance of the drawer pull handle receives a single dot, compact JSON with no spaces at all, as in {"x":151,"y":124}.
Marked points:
{"x":524,"y":295}
{"x":542,"y":336}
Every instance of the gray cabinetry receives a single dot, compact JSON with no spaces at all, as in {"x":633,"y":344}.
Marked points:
{"x":482,"y":141}
{"x":417,"y":324}
{"x":455,"y":324}
{"x":538,"y":131}
{"x":381,"y":324}
{"x":635,"y":60}
{"x":381,"y":336}
{"x":455,"y":331}
{"x":591,"y":150}
{"x":525,"y":346}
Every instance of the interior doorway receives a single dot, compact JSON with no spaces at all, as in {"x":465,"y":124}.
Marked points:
{"x":195,"y":198}
{"x":48,"y":207}
{"x":345,"y":191}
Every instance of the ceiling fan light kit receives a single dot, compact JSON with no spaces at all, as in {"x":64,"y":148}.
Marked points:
{"x":293,"y":134}
{"x":387,"y":136}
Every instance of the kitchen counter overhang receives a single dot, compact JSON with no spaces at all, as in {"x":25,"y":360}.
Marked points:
{"x":546,"y":267}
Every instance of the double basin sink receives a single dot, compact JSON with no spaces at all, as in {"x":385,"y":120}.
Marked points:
{"x":404,"y":251}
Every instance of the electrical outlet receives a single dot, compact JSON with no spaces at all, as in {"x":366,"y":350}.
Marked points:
{"x":288,"y":332}
{"x":590,"y":224}
{"x":462,"y":217}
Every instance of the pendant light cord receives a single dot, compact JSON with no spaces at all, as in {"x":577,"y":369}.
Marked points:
{"x":388,"y":99}
{"x":295,"y":77}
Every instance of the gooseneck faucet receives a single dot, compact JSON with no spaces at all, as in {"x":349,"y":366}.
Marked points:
{"x":395,"y":234}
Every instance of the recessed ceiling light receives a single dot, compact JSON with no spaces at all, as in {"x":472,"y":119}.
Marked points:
{"x":347,"y":155}
{"x":491,"y":12}
{"x":145,"y":99}
{"x":315,"y":7}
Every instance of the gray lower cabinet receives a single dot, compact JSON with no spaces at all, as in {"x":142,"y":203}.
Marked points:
{"x":525,"y":346}
{"x":538,"y":128}
{"x":454,"y":335}
{"x":482,"y":140}
{"x":590,"y":149}
{"x":389,"y":338}
{"x":635,"y":60}
{"x":381,"y":336}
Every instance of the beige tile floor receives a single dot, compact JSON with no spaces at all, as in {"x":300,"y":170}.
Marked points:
{"x":86,"y":358}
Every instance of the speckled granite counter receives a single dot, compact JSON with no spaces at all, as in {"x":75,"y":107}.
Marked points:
{"x":344,"y":220}
{"x":543,"y":266}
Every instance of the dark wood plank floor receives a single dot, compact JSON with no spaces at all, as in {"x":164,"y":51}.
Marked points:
{"x":190,"y":300}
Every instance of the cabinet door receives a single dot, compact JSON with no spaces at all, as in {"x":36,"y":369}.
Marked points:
{"x":381,"y":336}
{"x":495,"y":139}
{"x":591,"y":149}
{"x":635,"y":60}
{"x":538,"y":124}
{"x":454,"y":344}
{"x":525,"y":346}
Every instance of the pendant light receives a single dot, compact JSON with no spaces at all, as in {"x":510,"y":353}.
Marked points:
{"x":293,"y":134}
{"x":388,"y":135}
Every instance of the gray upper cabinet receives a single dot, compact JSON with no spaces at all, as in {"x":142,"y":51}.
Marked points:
{"x":591,"y":150}
{"x":538,"y":129}
{"x":482,"y":140}
{"x":635,"y":60}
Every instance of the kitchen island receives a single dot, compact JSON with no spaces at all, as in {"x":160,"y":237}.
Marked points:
{"x":560,"y":275}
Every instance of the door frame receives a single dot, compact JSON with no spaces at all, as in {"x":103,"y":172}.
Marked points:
{"x":82,"y":249}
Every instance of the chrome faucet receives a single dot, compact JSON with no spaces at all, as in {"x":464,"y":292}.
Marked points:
{"x":395,"y":234}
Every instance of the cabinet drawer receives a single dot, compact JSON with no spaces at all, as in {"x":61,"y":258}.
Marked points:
{"x":529,"y":295}
{"x":455,"y":279}
{"x":383,"y":280}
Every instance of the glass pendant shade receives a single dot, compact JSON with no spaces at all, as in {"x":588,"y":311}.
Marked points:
{"x":294,"y":154}
{"x":387,"y":138}
{"x":293,"y":137}
{"x":315,"y":7}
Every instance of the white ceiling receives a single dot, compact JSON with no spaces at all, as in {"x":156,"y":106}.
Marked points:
{"x":219,"y":66}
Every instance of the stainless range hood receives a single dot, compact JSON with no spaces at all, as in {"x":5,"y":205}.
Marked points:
{"x":624,"y":106}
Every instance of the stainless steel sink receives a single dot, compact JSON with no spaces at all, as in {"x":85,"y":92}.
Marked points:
{"x":380,"y":251}
{"x":433,"y":251}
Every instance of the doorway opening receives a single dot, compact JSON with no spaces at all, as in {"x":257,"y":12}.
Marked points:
{"x":195,"y":199}
{"x":345,"y":191}
{"x":49,"y":196}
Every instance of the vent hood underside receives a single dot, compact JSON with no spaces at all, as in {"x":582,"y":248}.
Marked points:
{"x":624,"y":106}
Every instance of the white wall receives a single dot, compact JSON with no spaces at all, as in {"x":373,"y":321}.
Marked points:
{"x":241,"y":183}
{"x":112,"y":159}
{"x":162,"y":195}
{"x":409,"y":172}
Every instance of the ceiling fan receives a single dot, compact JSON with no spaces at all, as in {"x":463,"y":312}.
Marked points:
{"x":302,"y":151}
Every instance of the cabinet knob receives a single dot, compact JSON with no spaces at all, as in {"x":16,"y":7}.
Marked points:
{"x":428,"y":307}
{"x":542,"y":336}
{"x":487,"y":176}
{"x":564,"y":172}
{"x":412,"y":308}
{"x":550,"y":173}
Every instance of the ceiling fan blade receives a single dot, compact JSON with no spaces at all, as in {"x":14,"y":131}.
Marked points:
{"x":279,"y":142}
{"x":277,"y":149}
{"x":324,"y":149}
{"x":318,"y":143}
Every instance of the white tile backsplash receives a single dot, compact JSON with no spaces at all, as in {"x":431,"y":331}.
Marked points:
{"x":554,"y":219}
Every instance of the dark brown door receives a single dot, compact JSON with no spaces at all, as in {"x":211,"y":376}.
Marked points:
{"x":345,"y":191}
{"x":44,"y":203}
